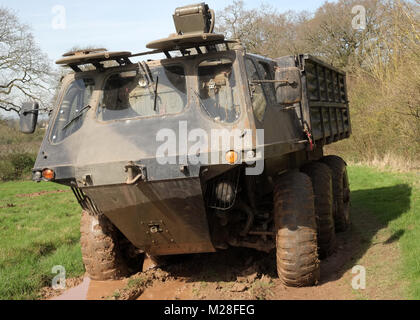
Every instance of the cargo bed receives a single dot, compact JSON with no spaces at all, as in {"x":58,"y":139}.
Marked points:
{"x":324,"y":107}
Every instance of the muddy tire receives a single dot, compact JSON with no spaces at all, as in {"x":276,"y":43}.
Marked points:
{"x":107,"y":254}
{"x":296,"y":240}
{"x":341,"y":192}
{"x":321,"y":177}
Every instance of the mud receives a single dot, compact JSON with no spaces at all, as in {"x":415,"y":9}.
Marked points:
{"x":246,"y":274}
{"x":41,"y":193}
{"x":9,"y":205}
{"x":48,"y":293}
{"x":100,"y":290}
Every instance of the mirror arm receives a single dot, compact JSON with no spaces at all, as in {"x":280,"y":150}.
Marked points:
{"x":37,"y":111}
{"x":284,"y":82}
{"x":30,"y":111}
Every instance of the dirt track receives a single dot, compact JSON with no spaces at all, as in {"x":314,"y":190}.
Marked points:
{"x":246,"y":274}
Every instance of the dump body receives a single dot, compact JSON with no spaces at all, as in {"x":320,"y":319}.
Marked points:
{"x":324,"y":98}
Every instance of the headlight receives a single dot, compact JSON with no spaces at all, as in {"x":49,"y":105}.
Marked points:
{"x":225,"y":192}
{"x":37,"y":176}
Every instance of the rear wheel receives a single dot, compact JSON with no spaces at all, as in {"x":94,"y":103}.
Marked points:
{"x":320,"y":175}
{"x":341,"y":192}
{"x":296,"y":240}
{"x":106,"y":253}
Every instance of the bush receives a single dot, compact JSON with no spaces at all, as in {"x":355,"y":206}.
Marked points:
{"x":16,"y":166}
{"x":22,"y":163}
{"x":385,"y":117}
{"x":7,"y":171}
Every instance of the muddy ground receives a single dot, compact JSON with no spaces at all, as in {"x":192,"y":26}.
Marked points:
{"x":240,"y":273}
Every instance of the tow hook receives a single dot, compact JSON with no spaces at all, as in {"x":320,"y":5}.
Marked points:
{"x":135,"y":173}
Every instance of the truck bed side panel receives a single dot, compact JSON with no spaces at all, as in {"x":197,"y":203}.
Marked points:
{"x":326,"y":98}
{"x":324,"y":106}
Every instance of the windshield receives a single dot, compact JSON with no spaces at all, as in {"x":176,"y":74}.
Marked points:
{"x":73,"y":108}
{"x":145,"y":92}
{"x":218,"y":90}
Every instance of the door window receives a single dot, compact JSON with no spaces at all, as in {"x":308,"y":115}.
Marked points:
{"x":259,"y":101}
{"x":73,"y":109}
{"x":218,"y":93}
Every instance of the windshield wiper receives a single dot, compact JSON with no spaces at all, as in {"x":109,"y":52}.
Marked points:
{"x":145,"y":70}
{"x":156,"y":93}
{"x":202,"y":104}
{"x":77,"y":116}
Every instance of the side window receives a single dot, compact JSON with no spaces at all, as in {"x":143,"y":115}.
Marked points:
{"x":218,"y":93}
{"x":259,"y":102}
{"x":132,"y":94}
{"x":267,"y":73}
{"x":73,"y":109}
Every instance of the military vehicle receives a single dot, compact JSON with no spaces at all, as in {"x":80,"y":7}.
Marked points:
{"x":116,"y":113}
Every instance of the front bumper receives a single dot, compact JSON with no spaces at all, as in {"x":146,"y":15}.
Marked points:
{"x":161,"y":218}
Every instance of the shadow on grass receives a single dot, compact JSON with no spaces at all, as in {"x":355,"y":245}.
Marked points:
{"x":395,"y":237}
{"x":372,"y":210}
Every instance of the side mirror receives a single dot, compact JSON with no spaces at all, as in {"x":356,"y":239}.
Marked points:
{"x":28,"y":117}
{"x":288,"y":85}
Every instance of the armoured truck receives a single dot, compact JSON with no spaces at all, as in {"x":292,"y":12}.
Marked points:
{"x":202,"y":148}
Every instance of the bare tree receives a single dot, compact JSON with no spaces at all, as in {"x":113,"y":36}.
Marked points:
{"x":263,"y":30}
{"x":382,"y":60}
{"x":391,"y":29}
{"x":25,"y":72}
{"x":237,"y":23}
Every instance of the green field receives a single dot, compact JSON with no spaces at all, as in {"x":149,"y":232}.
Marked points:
{"x":36,"y":233}
{"x":394,"y":199}
{"x":41,"y":231}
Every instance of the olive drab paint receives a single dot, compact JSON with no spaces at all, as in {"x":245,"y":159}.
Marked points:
{"x":109,"y":137}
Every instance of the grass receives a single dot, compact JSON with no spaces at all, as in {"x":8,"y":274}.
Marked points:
{"x":136,"y":282}
{"x":394,"y":199}
{"x":36,"y":234}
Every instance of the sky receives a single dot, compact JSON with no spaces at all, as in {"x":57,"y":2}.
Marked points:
{"x":121,"y":25}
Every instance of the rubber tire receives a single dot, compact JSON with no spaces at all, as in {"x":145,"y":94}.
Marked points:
{"x":321,"y":178}
{"x":296,"y":240}
{"x":341,"y":192}
{"x":106,"y":253}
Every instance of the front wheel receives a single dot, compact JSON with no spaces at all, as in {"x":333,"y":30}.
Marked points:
{"x":296,"y":240}
{"x":106,"y":253}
